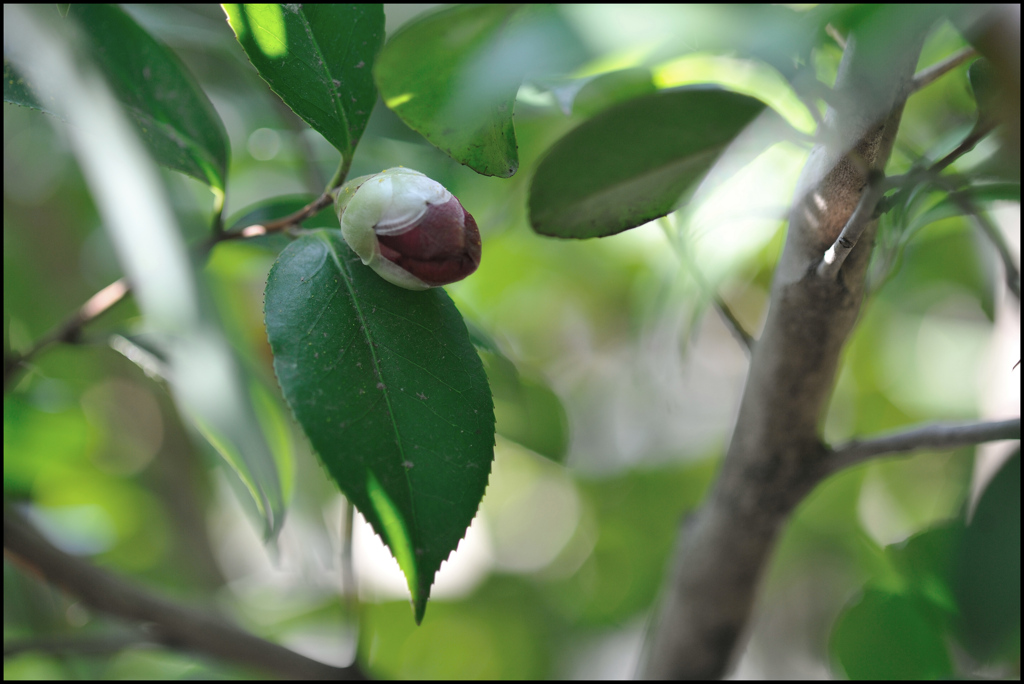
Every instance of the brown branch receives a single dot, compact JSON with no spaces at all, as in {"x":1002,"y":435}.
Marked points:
{"x":939,"y":436}
{"x":171,"y":624}
{"x":929,"y":75}
{"x":68,"y":331}
{"x":771,"y":463}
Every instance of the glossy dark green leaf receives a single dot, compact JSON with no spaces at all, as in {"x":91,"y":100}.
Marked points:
{"x":633,"y":162}
{"x":318,"y":59}
{"x":171,"y":112}
{"x":887,"y":636}
{"x":391,"y":394}
{"x":988,"y":570}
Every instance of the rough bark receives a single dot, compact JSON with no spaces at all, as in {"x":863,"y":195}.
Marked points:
{"x":774,"y":458}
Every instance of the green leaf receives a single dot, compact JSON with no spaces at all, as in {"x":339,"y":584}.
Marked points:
{"x":453,"y":76}
{"x":526,"y":409}
{"x":391,"y":394}
{"x":171,"y":112}
{"x":924,"y":562}
{"x":318,"y":59}
{"x":610,"y":89}
{"x":985,"y":83}
{"x":988,"y":570}
{"x":887,"y":636}
{"x":633,"y":162}
{"x":435,"y":74}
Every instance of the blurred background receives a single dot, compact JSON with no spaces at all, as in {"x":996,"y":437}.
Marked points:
{"x":628,"y":384}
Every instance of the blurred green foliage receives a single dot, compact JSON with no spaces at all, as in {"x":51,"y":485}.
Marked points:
{"x":94,"y":450}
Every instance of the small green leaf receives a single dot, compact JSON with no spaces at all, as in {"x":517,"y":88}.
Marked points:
{"x":171,"y":112}
{"x":391,"y":394}
{"x":318,"y":59}
{"x":924,"y":562}
{"x":633,"y":162}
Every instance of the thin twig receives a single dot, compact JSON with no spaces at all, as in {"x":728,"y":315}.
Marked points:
{"x":68,"y":331}
{"x":931,"y":74}
{"x":937,"y":436}
{"x":294,"y":219}
{"x":854,"y":228}
{"x":980,"y":130}
{"x":172,"y":624}
{"x":277,"y":225}
{"x":835,"y":35}
{"x":733,"y":323}
{"x":728,"y":317}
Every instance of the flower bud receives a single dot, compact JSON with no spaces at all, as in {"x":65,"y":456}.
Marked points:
{"x":408,"y":228}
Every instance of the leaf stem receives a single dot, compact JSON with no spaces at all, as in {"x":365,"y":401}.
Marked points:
{"x":930,"y":74}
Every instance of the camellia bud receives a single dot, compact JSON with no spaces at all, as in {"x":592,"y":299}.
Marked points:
{"x":408,"y":228}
